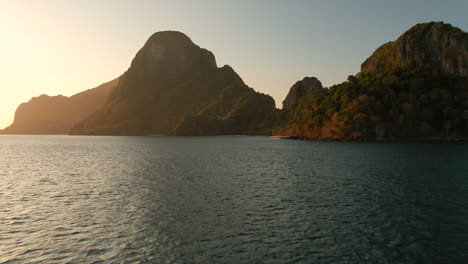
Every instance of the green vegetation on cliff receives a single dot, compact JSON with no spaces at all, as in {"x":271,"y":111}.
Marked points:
{"x":397,"y":105}
{"x":413,"y":88}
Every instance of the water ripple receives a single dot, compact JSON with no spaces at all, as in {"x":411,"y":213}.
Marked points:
{"x":231,"y":200}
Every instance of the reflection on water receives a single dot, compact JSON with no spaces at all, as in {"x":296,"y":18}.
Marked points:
{"x":231,"y":200}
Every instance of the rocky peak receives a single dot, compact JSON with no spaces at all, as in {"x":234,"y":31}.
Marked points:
{"x":173,"y":83}
{"x":434,"y":45}
{"x":171,"y":54}
{"x":300,"y":89}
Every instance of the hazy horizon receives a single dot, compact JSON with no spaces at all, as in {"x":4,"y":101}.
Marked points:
{"x":55,"y":47}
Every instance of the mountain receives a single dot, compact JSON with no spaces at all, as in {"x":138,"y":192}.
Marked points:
{"x":301,"y":89}
{"x":57,"y":114}
{"x":415,"y":87}
{"x":174,"y":87}
{"x":433,"y":45}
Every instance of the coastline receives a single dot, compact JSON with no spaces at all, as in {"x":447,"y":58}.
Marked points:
{"x":433,"y":139}
{"x":299,"y":138}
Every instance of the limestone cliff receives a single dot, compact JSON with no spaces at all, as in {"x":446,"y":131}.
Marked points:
{"x":174,"y":87}
{"x":415,"y":87}
{"x":433,"y":45}
{"x":300,"y":89}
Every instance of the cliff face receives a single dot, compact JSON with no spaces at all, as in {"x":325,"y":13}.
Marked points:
{"x":301,"y":89}
{"x":413,"y":88}
{"x":432,"y":45}
{"x":175,"y":87}
{"x":57,"y":114}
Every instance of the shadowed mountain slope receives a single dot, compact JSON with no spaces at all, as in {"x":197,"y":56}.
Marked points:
{"x":174,"y":87}
{"x":57,"y":114}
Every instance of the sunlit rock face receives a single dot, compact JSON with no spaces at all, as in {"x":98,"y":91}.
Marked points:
{"x":300,"y":89}
{"x":172,"y":87}
{"x":436,"y":45}
{"x":57,"y":114}
{"x":415,"y":87}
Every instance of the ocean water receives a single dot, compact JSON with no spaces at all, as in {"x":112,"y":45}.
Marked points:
{"x":231,"y":200}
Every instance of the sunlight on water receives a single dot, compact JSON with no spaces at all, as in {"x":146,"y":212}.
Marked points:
{"x":230,"y":200}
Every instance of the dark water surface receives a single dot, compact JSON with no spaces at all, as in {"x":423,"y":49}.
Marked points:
{"x":231,"y":200}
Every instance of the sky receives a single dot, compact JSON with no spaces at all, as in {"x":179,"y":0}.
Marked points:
{"x":64,"y":47}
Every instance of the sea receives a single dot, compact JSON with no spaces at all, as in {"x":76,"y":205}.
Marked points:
{"x":231,"y":199}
